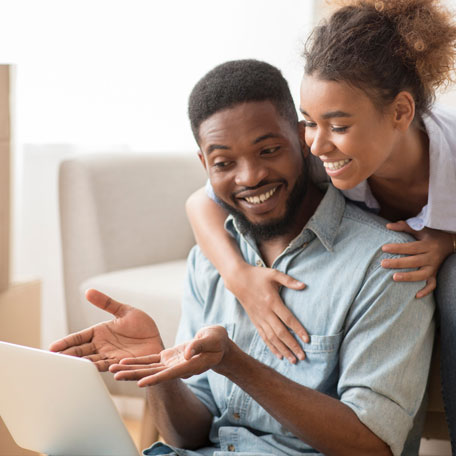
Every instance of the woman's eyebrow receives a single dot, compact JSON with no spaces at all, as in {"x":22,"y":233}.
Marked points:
{"x":330,"y":114}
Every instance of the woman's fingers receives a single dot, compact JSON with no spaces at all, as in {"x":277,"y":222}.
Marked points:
{"x":294,"y":324}
{"x":287,"y":281}
{"x":406,"y":248}
{"x":429,"y":288}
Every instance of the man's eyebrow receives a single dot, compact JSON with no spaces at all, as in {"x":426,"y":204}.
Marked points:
{"x":330,"y":114}
{"x":266,"y":136}
{"x":213,"y":147}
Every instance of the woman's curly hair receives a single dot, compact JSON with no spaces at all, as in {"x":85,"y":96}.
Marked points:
{"x":384,"y":47}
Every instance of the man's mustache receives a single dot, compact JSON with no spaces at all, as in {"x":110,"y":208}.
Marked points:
{"x":259,"y":185}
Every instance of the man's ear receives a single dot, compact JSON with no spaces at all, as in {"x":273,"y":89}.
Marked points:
{"x":302,"y":137}
{"x":202,"y":159}
{"x":403,"y":110}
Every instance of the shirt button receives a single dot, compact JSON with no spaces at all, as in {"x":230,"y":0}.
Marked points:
{"x":236,"y":416}
{"x":259,"y":263}
{"x":231,"y":447}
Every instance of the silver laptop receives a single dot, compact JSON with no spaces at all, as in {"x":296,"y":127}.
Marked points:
{"x":59,"y":405}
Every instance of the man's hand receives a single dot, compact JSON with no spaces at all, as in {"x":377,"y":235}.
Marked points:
{"x":131,"y":334}
{"x":427,"y":253}
{"x":206,"y":351}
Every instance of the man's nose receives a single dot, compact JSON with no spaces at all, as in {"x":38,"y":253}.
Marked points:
{"x":319,"y":143}
{"x":250,"y":173}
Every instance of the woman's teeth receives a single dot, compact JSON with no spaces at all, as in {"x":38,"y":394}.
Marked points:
{"x":260,"y":198}
{"x":335,"y":165}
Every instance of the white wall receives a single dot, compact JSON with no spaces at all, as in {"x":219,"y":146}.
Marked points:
{"x":110,"y":75}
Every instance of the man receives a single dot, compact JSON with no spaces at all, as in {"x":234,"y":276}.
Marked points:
{"x":364,"y":375}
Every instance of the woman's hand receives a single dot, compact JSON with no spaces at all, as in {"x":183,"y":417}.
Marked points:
{"x":427,"y":253}
{"x":257,"y":289}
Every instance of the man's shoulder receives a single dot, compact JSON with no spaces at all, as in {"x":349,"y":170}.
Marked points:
{"x":372,"y":226}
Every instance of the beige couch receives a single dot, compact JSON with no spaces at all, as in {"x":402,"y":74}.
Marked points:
{"x":124,"y":231}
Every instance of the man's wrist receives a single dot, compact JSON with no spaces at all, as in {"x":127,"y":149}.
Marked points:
{"x":230,"y":359}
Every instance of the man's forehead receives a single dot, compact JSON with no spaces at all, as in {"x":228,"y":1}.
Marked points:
{"x":251,"y":120}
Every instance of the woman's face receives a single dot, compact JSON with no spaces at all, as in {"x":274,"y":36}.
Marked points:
{"x":346,"y":131}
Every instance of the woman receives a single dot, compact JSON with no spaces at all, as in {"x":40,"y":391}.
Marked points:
{"x":366,"y":96}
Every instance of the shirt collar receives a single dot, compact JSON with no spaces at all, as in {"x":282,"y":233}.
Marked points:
{"x":324,"y":223}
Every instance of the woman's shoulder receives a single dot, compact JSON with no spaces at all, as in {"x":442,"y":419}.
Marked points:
{"x":440,"y":125}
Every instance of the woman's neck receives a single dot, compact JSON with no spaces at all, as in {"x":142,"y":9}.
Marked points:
{"x":401,"y":185}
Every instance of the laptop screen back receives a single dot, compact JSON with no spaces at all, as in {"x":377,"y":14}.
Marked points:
{"x":59,"y":405}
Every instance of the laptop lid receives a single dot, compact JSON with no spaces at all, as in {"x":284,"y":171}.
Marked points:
{"x":59,"y":405}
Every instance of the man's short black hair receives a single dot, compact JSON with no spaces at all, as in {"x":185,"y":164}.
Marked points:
{"x":239,"y":81}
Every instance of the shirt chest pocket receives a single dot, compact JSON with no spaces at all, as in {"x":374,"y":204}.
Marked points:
{"x":319,"y":370}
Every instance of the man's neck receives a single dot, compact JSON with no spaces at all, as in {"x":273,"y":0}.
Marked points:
{"x":270,"y":249}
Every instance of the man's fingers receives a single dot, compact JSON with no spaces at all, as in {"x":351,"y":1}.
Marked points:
{"x":72,"y":340}
{"x":104,"y":302}
{"x":183,"y":370}
{"x":137,"y":374}
{"x":81,"y":350}
{"x":148,"y":359}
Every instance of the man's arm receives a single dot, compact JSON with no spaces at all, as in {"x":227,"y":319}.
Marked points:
{"x":180,"y":417}
{"x":321,"y":421}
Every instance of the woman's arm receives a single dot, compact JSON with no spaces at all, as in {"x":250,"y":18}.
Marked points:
{"x":256,"y":288}
{"x":427,"y":253}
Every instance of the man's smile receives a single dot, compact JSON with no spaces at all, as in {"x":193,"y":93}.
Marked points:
{"x":259,"y":200}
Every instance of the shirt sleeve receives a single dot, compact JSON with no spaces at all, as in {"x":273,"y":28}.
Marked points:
{"x":385,"y":355}
{"x":190,"y":323}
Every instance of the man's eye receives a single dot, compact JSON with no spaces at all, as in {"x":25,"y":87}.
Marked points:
{"x":309,"y":124}
{"x":270,"y":150}
{"x":221,"y":164}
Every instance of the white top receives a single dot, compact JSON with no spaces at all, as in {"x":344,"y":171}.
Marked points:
{"x":440,"y":210}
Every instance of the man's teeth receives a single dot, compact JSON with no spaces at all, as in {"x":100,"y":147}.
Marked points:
{"x":260,"y":198}
{"x":336,"y":164}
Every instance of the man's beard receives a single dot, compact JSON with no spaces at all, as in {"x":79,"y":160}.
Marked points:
{"x":281,"y":225}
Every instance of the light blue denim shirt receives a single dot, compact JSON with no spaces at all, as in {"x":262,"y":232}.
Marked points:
{"x":371,"y":340}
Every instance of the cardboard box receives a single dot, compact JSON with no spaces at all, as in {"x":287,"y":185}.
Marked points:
{"x":5,"y":140}
{"x":19,"y":324}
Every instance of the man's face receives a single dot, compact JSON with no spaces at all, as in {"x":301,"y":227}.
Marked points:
{"x":254,"y":160}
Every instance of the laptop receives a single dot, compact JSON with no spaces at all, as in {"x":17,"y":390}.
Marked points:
{"x":59,"y":405}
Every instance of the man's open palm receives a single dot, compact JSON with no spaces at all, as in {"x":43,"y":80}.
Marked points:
{"x":131,"y":334}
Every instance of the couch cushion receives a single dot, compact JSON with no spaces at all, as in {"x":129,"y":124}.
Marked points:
{"x":155,"y":289}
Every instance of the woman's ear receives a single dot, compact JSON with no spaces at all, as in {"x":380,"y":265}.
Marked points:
{"x":403,"y":110}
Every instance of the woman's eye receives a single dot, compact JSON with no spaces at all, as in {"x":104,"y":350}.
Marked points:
{"x":336,"y":129}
